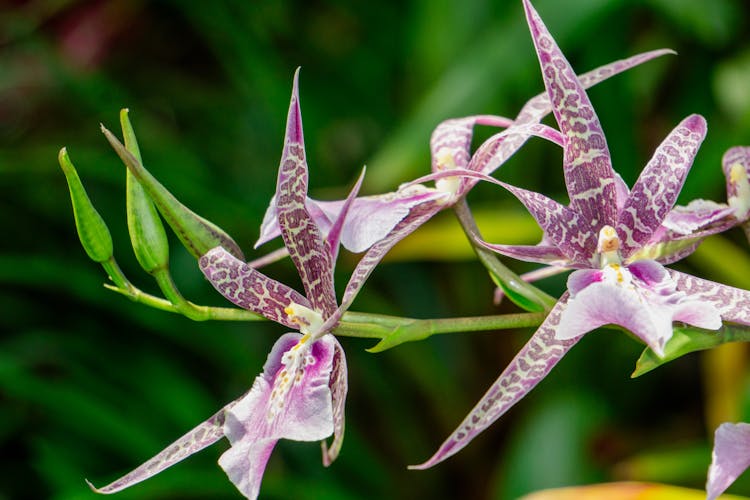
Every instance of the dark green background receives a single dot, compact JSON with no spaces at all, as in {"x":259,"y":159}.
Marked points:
{"x":91,"y":384}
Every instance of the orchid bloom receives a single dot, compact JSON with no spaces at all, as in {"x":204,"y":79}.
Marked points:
{"x":601,"y":234}
{"x":730,"y":457}
{"x":301,"y":392}
{"x":371,"y":218}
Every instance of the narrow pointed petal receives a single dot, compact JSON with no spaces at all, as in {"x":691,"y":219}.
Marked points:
{"x":302,"y":237}
{"x":290,"y":399}
{"x":196,"y":233}
{"x":730,"y":457}
{"x":339,"y":387}
{"x":202,"y":436}
{"x":535,"y":360}
{"x":493,"y":153}
{"x":736,"y":166}
{"x":587,"y":165}
{"x":334,"y":234}
{"x":563,"y":227}
{"x":655,"y":192}
{"x":249,"y":289}
{"x":732,"y":303}
{"x":417,"y":216}
{"x":542,"y":254}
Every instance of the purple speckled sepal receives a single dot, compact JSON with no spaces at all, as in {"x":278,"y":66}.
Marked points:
{"x":339,"y":386}
{"x":248,"y":288}
{"x":732,"y":303}
{"x":202,"y":436}
{"x":302,"y":237}
{"x":586,"y":161}
{"x":533,"y":362}
{"x":656,"y":190}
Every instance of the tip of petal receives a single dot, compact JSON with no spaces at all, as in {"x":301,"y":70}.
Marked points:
{"x":95,"y":489}
{"x":696,"y":123}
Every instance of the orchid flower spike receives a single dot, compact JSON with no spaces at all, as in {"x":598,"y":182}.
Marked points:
{"x":454,"y":170}
{"x":600,"y":234}
{"x":301,"y":392}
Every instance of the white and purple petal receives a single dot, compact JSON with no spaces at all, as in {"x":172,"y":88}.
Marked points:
{"x":248,"y":288}
{"x":730,"y":457}
{"x":542,"y":254}
{"x":529,"y":367}
{"x":290,"y":399}
{"x":302,"y":237}
{"x":655,"y":192}
{"x":339,"y":386}
{"x":642,"y":298}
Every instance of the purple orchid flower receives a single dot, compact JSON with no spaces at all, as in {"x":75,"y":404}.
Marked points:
{"x":730,"y":457}
{"x":372,"y":217}
{"x":301,"y":392}
{"x":601,"y":235}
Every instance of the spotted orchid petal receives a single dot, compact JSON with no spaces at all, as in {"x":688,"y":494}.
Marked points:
{"x":732,"y":303}
{"x":302,"y":237}
{"x":248,"y":288}
{"x":291,"y":399}
{"x":656,"y":190}
{"x":642,"y":298}
{"x":730,"y":457}
{"x":542,"y":254}
{"x":339,"y":387}
{"x":205,"y":434}
{"x":586,"y":162}
{"x":563,"y":227}
{"x":533,"y":362}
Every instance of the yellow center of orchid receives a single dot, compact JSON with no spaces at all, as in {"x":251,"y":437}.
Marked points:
{"x":740,"y":201}
{"x":446,"y":161}
{"x":608,"y":247}
{"x":308,"y":321}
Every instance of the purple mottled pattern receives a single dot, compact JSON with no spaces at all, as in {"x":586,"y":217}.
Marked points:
{"x":301,"y":235}
{"x":586,"y":162}
{"x":732,"y":303}
{"x":656,"y":190}
{"x":339,"y":386}
{"x":543,"y":254}
{"x":455,"y":135}
{"x":249,"y":289}
{"x":562,"y":227}
{"x":202,"y":436}
{"x":532,"y":363}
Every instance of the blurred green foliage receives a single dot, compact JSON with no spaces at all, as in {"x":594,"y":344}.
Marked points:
{"x":91,"y":384}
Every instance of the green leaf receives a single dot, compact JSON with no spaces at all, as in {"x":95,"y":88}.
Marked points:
{"x":92,"y":231}
{"x":147,"y":233}
{"x":196,"y":233}
{"x":686,"y":339}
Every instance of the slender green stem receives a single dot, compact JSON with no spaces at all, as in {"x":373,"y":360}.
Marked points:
{"x":510,"y":280}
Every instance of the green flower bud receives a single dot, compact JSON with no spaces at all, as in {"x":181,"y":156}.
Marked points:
{"x":146,"y":230}
{"x":196,"y":233}
{"x":92,"y":231}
